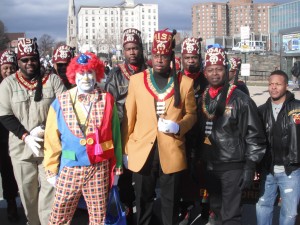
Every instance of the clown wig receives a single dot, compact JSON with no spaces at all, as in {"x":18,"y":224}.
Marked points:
{"x":85,"y":62}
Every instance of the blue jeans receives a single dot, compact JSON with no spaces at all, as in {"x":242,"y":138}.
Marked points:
{"x":289,"y":192}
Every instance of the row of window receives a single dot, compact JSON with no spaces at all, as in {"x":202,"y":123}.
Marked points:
{"x":125,"y":12}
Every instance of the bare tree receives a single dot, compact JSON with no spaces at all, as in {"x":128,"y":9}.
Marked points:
{"x":3,"y":37}
{"x":46,"y":45}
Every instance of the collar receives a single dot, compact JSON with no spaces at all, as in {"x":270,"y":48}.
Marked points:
{"x":194,"y":76}
{"x":213,"y":92}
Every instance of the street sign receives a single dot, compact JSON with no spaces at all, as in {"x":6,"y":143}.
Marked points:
{"x":245,"y":69}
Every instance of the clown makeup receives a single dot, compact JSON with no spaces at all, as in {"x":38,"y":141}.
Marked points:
{"x":85,"y":81}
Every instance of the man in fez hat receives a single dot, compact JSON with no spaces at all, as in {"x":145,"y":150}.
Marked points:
{"x":117,"y":84}
{"x":119,"y":77}
{"x":232,"y":139}
{"x":193,"y":68}
{"x":8,"y":66}
{"x":27,"y":96}
{"x":160,"y":108}
{"x":61,"y":58}
{"x":234,"y":66}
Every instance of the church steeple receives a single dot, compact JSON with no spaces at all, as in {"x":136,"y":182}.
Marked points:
{"x":72,"y":25}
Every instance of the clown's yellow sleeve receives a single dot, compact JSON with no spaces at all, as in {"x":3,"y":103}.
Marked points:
{"x":52,"y":145}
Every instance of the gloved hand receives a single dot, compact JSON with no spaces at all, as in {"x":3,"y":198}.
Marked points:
{"x":246,"y":179}
{"x":125,"y":161}
{"x":38,"y":131}
{"x":52,"y":181}
{"x":167,"y":126}
{"x":32,"y":142}
{"x":116,"y":179}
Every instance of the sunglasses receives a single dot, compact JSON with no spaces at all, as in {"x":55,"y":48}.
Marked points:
{"x":26,"y":60}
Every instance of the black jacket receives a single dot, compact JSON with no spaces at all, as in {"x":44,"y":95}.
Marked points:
{"x":117,"y":84}
{"x":289,"y":122}
{"x":192,"y":143}
{"x":237,"y":137}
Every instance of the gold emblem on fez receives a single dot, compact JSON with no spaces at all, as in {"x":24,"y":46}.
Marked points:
{"x":90,"y":141}
{"x":82,"y":142}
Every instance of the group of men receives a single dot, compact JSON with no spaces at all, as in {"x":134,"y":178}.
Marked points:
{"x":168,"y":119}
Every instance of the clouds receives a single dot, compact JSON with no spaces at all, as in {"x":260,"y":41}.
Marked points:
{"x":36,"y":17}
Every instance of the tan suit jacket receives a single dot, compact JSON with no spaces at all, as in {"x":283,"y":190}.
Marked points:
{"x":139,"y":127}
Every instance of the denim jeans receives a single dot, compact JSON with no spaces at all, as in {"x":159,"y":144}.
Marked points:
{"x":289,"y":192}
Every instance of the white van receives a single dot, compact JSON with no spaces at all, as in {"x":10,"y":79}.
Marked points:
{"x":249,"y":46}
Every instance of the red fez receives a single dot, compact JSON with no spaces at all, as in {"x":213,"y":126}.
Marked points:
{"x":27,"y":47}
{"x":215,"y":56}
{"x":233,"y":63}
{"x":62,"y":54}
{"x":7,"y":57}
{"x":132,"y":35}
{"x":191,"y":46}
{"x":162,"y":42}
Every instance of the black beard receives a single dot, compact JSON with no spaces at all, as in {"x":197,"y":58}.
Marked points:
{"x":29,"y":76}
{"x":193,"y":69}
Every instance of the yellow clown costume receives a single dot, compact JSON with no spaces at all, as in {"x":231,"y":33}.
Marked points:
{"x":82,"y":148}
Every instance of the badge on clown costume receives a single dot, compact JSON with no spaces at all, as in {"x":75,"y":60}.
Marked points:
{"x":296,"y":118}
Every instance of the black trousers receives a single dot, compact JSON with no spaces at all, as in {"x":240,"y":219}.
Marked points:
{"x":225,"y":196}
{"x":145,"y":183}
{"x":9,"y":184}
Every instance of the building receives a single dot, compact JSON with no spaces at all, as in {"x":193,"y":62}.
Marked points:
{"x":283,"y":17}
{"x":72,"y":25}
{"x":100,"y":28}
{"x":212,"y":20}
{"x":285,"y":33}
{"x":209,"y":20}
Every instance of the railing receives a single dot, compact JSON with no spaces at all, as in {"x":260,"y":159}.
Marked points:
{"x":258,"y":75}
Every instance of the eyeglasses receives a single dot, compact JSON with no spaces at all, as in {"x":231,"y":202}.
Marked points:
{"x":26,"y":60}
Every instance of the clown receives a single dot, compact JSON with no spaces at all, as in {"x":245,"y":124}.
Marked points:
{"x":82,"y":143}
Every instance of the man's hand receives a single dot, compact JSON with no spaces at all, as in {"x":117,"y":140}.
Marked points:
{"x":32,"y":142}
{"x":246,"y":181}
{"x":38,"y":131}
{"x":168,"y":126}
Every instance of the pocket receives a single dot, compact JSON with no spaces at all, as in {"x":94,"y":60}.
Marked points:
{"x":19,"y":97}
{"x":48,"y":93}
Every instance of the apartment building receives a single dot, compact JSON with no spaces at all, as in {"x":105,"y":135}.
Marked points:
{"x":225,"y":19}
{"x":100,"y":28}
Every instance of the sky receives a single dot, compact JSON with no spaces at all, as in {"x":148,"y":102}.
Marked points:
{"x":38,"y":17}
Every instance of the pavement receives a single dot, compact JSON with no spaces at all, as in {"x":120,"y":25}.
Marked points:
{"x":258,"y":93}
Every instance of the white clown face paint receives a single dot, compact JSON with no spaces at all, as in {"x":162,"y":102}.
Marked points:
{"x":85,"y":81}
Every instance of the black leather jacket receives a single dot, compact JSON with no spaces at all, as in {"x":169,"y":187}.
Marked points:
{"x":192,"y":143}
{"x":117,"y":84}
{"x":289,"y":117}
{"x":237,"y":137}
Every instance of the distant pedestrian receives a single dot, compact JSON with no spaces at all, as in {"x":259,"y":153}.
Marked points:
{"x":296,"y":75}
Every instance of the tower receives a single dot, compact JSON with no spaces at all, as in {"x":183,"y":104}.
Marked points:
{"x":72,"y":25}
